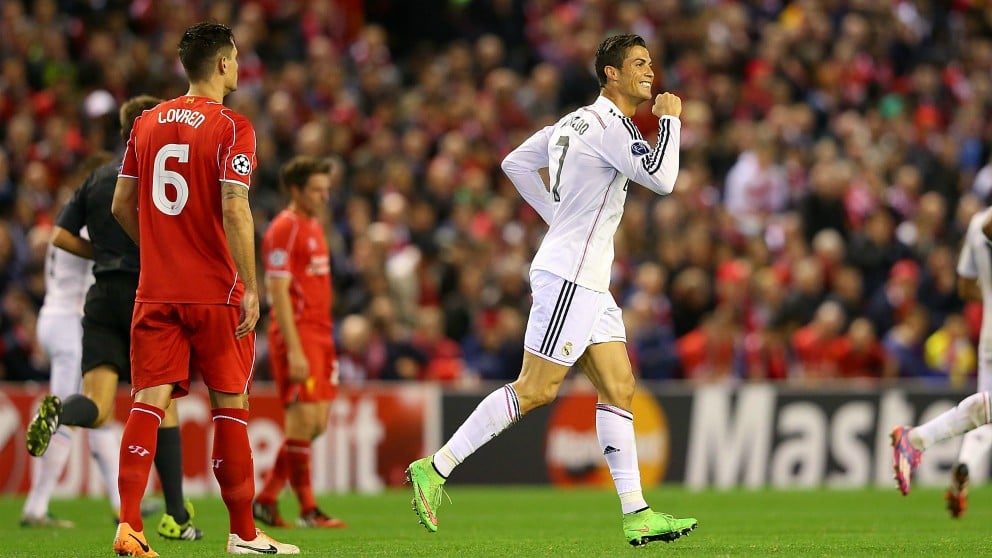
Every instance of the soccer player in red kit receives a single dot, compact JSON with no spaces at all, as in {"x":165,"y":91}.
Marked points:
{"x":182,"y":195}
{"x":304,"y":362}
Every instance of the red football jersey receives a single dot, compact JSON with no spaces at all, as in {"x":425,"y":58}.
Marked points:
{"x":180,"y":152}
{"x":294,"y":247}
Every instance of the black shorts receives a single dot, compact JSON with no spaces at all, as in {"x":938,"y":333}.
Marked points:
{"x":107,"y":323}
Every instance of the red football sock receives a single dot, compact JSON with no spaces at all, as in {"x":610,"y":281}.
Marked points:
{"x":298,"y":453}
{"x":232,"y":465}
{"x":276,"y":478}
{"x":138,"y":445}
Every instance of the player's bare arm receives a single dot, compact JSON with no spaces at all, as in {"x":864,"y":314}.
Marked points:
{"x":282,"y":305}
{"x":71,"y":243}
{"x":125,"y":206}
{"x":240,"y":231}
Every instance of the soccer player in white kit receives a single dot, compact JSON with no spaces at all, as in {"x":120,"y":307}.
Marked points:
{"x":591,"y":155}
{"x":60,"y":332}
{"x":972,"y":415}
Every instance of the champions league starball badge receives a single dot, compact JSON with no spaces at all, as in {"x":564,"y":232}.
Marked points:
{"x":241,"y":164}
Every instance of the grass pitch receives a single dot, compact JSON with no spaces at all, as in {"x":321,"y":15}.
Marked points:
{"x":525,"y":522}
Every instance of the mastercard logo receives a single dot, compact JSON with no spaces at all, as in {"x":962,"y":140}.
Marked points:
{"x":572,"y":450}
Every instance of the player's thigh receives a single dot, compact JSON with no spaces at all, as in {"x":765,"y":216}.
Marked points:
{"x":306,"y":420}
{"x":562,"y":318}
{"x":59,"y":337}
{"x":224,"y":362}
{"x":160,"y":349}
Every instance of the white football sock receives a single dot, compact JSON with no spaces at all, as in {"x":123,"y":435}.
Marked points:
{"x":495,"y":413}
{"x":615,"y":430}
{"x":105,"y":444}
{"x":974,"y":445}
{"x":972,"y":412}
{"x":45,"y":473}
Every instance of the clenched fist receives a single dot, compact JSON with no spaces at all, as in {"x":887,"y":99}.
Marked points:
{"x":667,"y":104}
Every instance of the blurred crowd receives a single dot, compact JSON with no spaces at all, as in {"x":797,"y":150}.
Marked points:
{"x":832,"y":155}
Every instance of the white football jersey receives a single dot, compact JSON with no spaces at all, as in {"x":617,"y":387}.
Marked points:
{"x":590,"y":155}
{"x":975,"y":262}
{"x":67,"y":278}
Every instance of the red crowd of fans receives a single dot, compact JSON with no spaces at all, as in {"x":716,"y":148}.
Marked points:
{"x":832,"y":155}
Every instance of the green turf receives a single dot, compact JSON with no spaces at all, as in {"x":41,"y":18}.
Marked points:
{"x":525,"y":522}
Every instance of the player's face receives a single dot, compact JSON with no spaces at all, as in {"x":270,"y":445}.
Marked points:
{"x":231,"y":73}
{"x":636,"y":76}
{"x":313,"y":196}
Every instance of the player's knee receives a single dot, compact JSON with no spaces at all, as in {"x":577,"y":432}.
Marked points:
{"x":621,"y":392}
{"x":976,"y":406}
{"x":103,"y":414}
{"x":532,"y":397}
{"x":317,"y":430}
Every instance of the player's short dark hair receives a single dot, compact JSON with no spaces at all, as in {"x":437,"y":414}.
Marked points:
{"x":612,"y":52}
{"x":200,"y":45}
{"x":298,"y":170}
{"x":132,"y":109}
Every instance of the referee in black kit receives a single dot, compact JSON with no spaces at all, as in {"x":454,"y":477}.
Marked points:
{"x":107,"y":330}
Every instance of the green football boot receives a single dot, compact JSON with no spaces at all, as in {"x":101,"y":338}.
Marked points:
{"x":43,"y":425}
{"x":428,"y":486}
{"x":648,"y":526}
{"x":169,"y":528}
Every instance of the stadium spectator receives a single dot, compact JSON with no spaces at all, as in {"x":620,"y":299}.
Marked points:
{"x":877,"y":119}
{"x":897,"y":298}
{"x":814,"y":344}
{"x":949,"y":352}
{"x":712,"y":351}
{"x":859,"y":353}
{"x":904,"y":343}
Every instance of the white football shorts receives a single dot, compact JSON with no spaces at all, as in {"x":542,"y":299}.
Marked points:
{"x":566,"y":318}
{"x":61,"y":337}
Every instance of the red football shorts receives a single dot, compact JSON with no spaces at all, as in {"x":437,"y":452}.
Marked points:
{"x":322,"y":357}
{"x":172,"y":342}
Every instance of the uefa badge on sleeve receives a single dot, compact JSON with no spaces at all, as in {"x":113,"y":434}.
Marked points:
{"x":241,"y":164}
